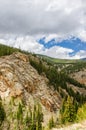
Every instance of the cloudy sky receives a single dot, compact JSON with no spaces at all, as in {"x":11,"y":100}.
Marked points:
{"x":56,"y":28}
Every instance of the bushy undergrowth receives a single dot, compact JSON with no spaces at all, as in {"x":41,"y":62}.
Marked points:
{"x":81,"y":113}
{"x":71,"y":112}
{"x":20,"y":117}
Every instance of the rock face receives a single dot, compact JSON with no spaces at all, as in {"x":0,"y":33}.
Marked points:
{"x":19,"y":79}
{"x":80,"y":76}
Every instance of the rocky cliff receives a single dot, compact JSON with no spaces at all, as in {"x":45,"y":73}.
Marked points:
{"x":19,"y":79}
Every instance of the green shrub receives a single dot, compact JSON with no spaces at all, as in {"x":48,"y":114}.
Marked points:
{"x":81,"y":114}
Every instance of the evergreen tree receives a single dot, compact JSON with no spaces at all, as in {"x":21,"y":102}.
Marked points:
{"x":2,"y":113}
{"x":68,"y":111}
{"x":51,"y":123}
{"x":19,"y":112}
{"x":19,"y":117}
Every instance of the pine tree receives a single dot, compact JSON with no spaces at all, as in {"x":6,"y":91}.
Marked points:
{"x":51,"y":123}
{"x":2,"y":113}
{"x":68,"y":111}
{"x":19,"y":112}
{"x":37,"y":118}
{"x":19,"y":117}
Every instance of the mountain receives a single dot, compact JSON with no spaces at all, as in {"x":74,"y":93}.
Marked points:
{"x":33,"y":87}
{"x":57,"y":61}
{"x":84,"y":59}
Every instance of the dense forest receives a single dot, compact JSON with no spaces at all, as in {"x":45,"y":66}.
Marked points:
{"x":7,"y":50}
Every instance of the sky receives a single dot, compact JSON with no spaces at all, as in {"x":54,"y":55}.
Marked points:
{"x":56,"y":28}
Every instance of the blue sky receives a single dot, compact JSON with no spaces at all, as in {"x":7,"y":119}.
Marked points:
{"x":73,"y":43}
{"x":55,"y":28}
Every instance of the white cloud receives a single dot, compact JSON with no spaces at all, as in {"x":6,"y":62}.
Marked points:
{"x":50,"y":37}
{"x":82,"y":35}
{"x":30,"y":44}
{"x":66,"y":5}
{"x":56,"y":37}
{"x":79,"y":55}
{"x":27,"y":43}
{"x":58,"y":52}
{"x":23,"y":22}
{"x":62,"y":17}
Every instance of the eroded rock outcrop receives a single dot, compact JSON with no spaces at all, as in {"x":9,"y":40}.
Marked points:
{"x":19,"y":79}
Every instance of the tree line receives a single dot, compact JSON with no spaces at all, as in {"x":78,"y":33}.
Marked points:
{"x":59,"y":80}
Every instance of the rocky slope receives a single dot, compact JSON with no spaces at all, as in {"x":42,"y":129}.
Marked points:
{"x":19,"y":79}
{"x":80,"y":76}
{"x":76,"y":126}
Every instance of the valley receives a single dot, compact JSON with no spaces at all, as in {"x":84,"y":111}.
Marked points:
{"x":36,"y":91}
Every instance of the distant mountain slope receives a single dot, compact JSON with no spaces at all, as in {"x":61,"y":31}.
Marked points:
{"x":55,"y":60}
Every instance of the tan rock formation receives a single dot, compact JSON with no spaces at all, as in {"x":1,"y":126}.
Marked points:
{"x":19,"y":79}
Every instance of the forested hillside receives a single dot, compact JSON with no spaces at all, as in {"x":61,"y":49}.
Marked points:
{"x":56,"y":87}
